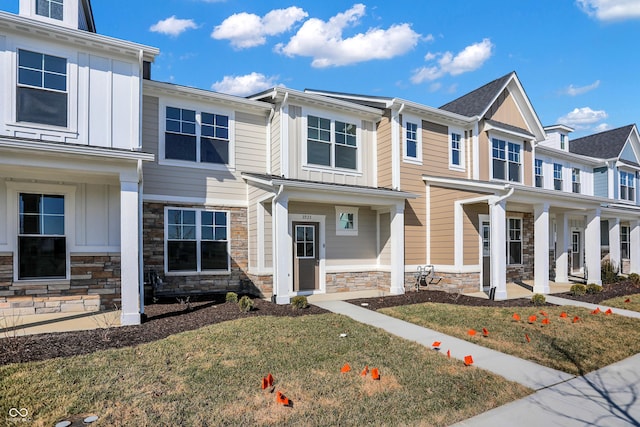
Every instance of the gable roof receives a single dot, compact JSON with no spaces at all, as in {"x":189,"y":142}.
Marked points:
{"x":476,"y":103}
{"x":603,"y":145}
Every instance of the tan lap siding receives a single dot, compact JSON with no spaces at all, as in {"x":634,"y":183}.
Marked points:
{"x":384,"y":151}
{"x":471,"y":233}
{"x":505,"y":110}
{"x":275,"y":144}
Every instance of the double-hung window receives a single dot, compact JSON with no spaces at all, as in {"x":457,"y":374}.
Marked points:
{"x":41,"y":238}
{"x":563,"y":143}
{"x":506,"y":160}
{"x":557,"y":176}
{"x":346,"y":221}
{"x":455,"y":158}
{"x":197,"y":240}
{"x":42,"y":89}
{"x":514,"y":241}
{"x":411,"y":141}
{"x":331,"y":143}
{"x":50,"y":8}
{"x":196,"y":136}
{"x":627,"y":186}
{"x":538,"y":172}
{"x":575,"y":180}
{"x":625,"y":243}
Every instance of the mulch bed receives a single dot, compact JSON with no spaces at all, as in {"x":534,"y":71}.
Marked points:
{"x":171,"y":318}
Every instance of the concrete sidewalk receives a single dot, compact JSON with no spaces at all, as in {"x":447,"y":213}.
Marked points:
{"x":564,"y":301}
{"x":512,"y":368}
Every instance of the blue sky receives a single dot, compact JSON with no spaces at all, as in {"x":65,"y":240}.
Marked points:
{"x":577,"y":59}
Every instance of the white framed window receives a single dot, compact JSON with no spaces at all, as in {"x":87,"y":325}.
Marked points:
{"x":575,"y":180}
{"x":331,"y":143}
{"x":42,"y":95}
{"x":627,"y":186}
{"x":456,"y":150}
{"x":196,"y":240}
{"x":563,"y":141}
{"x":625,"y":242}
{"x":196,"y":136}
{"x":50,"y":9}
{"x":539,"y":178}
{"x":514,"y":241}
{"x":557,"y":177}
{"x":506,"y":160}
{"x":346,"y":221}
{"x":412,"y":140}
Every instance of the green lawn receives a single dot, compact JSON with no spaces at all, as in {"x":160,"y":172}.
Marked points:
{"x":212,"y":376}
{"x":619,"y":302}
{"x":593,"y":342}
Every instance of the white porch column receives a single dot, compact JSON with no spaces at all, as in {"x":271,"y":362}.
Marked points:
{"x":397,"y":249}
{"x":614,"y":242}
{"x":634,"y":250}
{"x":592,"y":247}
{"x":498,"y":249}
{"x":281,"y":249}
{"x":562,"y":243}
{"x":129,"y":251}
{"x":541,"y":249}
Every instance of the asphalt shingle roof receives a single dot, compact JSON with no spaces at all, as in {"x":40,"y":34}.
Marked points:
{"x":476,"y":102}
{"x":603,"y":145}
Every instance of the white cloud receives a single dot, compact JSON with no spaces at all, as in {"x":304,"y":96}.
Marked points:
{"x":246,"y":30}
{"x":469,"y":59}
{"x":582,"y":118}
{"x":244,"y":85}
{"x":610,"y":10}
{"x":602,"y":127}
{"x":324,"y":41}
{"x":173,"y":26}
{"x":574,"y":91}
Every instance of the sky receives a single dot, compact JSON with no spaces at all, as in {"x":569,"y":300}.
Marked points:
{"x":578,"y":60}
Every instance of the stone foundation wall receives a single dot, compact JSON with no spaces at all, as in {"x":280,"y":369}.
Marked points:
{"x":27,"y":305}
{"x":264,"y":284}
{"x":358,"y":281}
{"x":193,"y":283}
{"x":96,"y":275}
{"x":448,"y":282}
{"x":524,"y":271}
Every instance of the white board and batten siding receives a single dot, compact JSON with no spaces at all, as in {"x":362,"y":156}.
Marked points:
{"x":200,"y":184}
{"x":103,"y":96}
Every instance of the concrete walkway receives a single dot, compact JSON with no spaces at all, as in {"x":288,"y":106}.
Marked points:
{"x":607,"y":397}
{"x":564,"y":301}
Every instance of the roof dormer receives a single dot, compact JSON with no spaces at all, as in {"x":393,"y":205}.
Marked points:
{"x":557,"y":137}
{"x":74,"y":14}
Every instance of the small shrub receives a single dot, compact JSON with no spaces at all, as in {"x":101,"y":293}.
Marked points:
{"x":609,"y":272}
{"x":538,"y":299}
{"x":578,"y":290}
{"x":245,"y":304}
{"x":299,"y":302}
{"x":231,"y":297}
{"x":634,"y":278}
{"x":592,"y":288}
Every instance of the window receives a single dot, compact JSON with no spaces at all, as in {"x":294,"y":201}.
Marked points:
{"x":197,"y":240}
{"x":557,"y":176}
{"x":627,"y":186}
{"x":346,"y":221}
{"x":42,"y":89}
{"x":506,"y":160}
{"x":575,"y":180}
{"x":332,"y":144}
{"x":196,"y":136}
{"x":455,"y":158}
{"x":514,"y":241}
{"x":411,"y":140}
{"x":41,"y":240}
{"x":625,"y":242}
{"x":538,"y":173}
{"x":50,"y":8}
{"x":563,"y":141}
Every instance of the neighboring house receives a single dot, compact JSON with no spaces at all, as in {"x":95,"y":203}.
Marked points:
{"x":70,"y":162}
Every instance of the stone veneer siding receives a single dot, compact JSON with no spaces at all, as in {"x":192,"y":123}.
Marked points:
{"x":94,"y":285}
{"x":524,"y":271}
{"x":190,"y":284}
{"x":357,"y":281}
{"x":448,"y":282}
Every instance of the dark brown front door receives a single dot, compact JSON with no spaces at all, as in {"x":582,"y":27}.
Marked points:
{"x":306,"y":257}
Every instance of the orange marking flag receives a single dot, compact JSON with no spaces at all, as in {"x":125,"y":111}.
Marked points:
{"x":485,"y":332}
{"x":608,"y":312}
{"x":365,"y":371}
{"x":545,"y":321}
{"x":375,"y":374}
{"x":596,"y":311}
{"x":436,"y":344}
{"x":345,"y":368}
{"x":563,"y":315}
{"x":471,"y":332}
{"x":526,"y":336}
{"x":576,"y":319}
{"x":265,"y":383}
{"x":270,"y":379}
{"x":516,"y":317}
{"x":282,"y":399}
{"x":533,"y":318}
{"x":627,"y":300}
{"x":449,"y":354}
{"x":543,"y":313}
{"x":468,"y":360}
